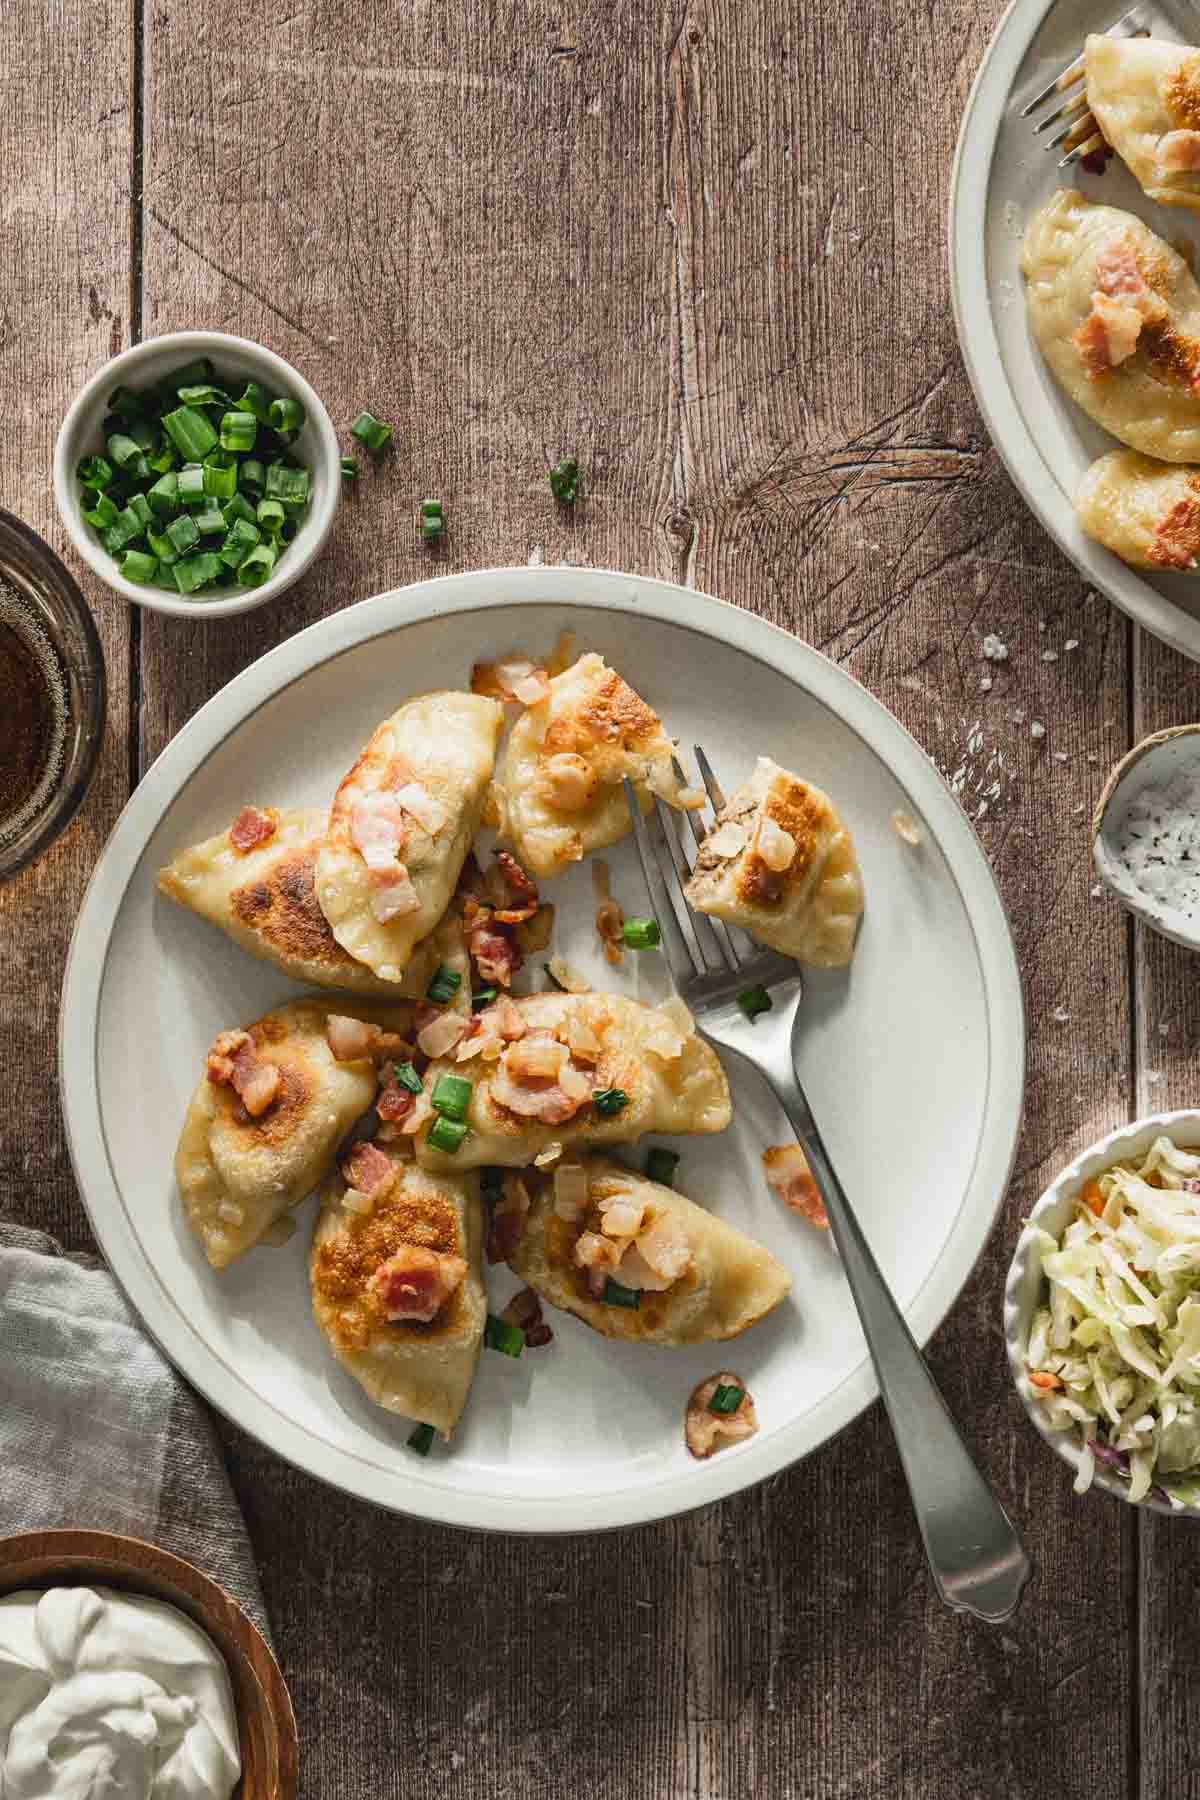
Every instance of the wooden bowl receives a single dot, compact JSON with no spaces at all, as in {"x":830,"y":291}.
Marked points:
{"x":266,"y":1723}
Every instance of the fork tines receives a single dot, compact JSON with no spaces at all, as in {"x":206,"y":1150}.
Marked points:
{"x":1079,"y":132}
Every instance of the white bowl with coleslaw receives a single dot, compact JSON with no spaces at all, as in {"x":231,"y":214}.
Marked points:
{"x":1090,"y":1282}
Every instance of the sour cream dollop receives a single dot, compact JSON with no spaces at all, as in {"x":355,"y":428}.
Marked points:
{"x":107,"y":1696}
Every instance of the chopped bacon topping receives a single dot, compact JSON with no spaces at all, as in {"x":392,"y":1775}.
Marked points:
{"x":253,"y":826}
{"x":394,"y":1102}
{"x":392,"y":894}
{"x":1178,"y":153}
{"x":429,"y":813}
{"x":496,"y":956}
{"x":520,"y":885}
{"x":789,"y":1174}
{"x":525,"y":1310}
{"x":1119,"y":273}
{"x":349,"y":1039}
{"x":416,"y":1283}
{"x":368,"y":1170}
{"x":377,"y":829}
{"x":651,"y":1253}
{"x":706,"y":1431}
{"x":508,"y":1220}
{"x":1108,"y":335}
{"x":234,"y":1062}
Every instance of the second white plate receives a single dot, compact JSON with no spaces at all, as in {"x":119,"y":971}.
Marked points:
{"x":1002,"y":174}
{"x":913,"y":1059}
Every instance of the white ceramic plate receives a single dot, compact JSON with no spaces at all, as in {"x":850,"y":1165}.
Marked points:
{"x":913,"y":1060}
{"x":1002,"y":174}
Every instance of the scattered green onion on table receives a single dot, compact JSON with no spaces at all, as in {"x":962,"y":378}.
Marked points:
{"x":499,"y":1334}
{"x":197,"y":489}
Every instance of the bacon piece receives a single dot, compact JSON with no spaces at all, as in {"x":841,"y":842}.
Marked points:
{"x":788,"y":1172}
{"x":520,"y":886}
{"x":1177,"y":537}
{"x":495,"y":955}
{"x":441,"y":1035}
{"x":706,"y":1431}
{"x":392,"y":894}
{"x":525,"y":1310}
{"x":507,"y":1019}
{"x":416,"y":1283}
{"x":665,"y":1249}
{"x":537,"y":1056}
{"x":368,"y":1170}
{"x":508,"y":1220}
{"x":544,"y":1100}
{"x":377,"y":829}
{"x":598,"y":1255}
{"x":253,"y":826}
{"x":394,"y":1102}
{"x":349,"y":1039}
{"x":1108,"y":335}
{"x":234,"y":1062}
{"x":429,"y":813}
{"x":1119,"y":273}
{"x":1178,"y":153}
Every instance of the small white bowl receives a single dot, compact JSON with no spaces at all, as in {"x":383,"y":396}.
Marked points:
{"x":1149,"y":766}
{"x":147,"y":363}
{"x":1026,"y":1285}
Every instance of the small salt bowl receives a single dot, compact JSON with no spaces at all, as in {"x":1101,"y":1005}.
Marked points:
{"x":1146,"y":833}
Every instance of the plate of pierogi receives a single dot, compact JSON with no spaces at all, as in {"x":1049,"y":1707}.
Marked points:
{"x":1073,"y":270}
{"x":385,"y":1112}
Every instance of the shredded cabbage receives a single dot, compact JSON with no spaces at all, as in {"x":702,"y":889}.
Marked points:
{"x":1119,"y":1333}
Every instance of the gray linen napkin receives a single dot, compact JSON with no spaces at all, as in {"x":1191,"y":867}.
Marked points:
{"x":97,"y":1431}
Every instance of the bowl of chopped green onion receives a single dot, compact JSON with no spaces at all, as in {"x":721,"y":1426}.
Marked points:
{"x":197,"y":473}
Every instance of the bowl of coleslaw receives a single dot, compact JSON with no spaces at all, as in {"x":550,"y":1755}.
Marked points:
{"x":1102,"y":1314}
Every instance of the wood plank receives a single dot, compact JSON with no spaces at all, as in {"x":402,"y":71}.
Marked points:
{"x":650,"y":238}
{"x":66,"y":135}
{"x":1166,"y":692}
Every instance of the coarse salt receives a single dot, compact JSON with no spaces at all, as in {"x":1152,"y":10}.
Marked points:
{"x":994,"y":648}
{"x":1037,"y":729}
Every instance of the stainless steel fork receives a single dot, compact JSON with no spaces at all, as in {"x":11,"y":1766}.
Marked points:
{"x":975,"y":1557}
{"x":1079,"y":131}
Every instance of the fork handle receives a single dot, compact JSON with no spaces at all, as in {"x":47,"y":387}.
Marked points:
{"x":976,"y":1559}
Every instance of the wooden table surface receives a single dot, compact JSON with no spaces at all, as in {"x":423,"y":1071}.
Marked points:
{"x":701,"y":244}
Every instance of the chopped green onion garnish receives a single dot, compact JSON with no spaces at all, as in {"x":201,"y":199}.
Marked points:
{"x":270,"y":516}
{"x":163,"y":497}
{"x":164,"y":458}
{"x":445,"y":984}
{"x":238,"y":431}
{"x":451,"y":1096}
{"x":372,"y":432}
{"x":608,"y":1102}
{"x":193,"y":374}
{"x":128,"y":456}
{"x":491,"y":1183}
{"x":564,"y":480}
{"x":421,"y":1440}
{"x":220,"y":475}
{"x":661,"y":1165}
{"x":286,"y":417}
{"x":252,"y":476}
{"x":203,"y":393}
{"x":135,"y":565}
{"x":240,"y":539}
{"x":183,"y":533}
{"x":287,"y":484}
{"x":190,"y":488}
{"x":408,"y":1078}
{"x":140,"y":507}
{"x":190,"y":432}
{"x":162,"y":547}
{"x":726,"y":1398}
{"x":483,"y":997}
{"x":238,"y":508}
{"x":95,"y":472}
{"x":349,"y":469}
{"x":447,"y":1135}
{"x":615,"y":1294}
{"x":255,"y":400}
{"x":753,"y":1001}
{"x":498,"y":1334}
{"x":209,"y":519}
{"x":124,"y":529}
{"x":257,"y":566}
{"x":432,"y":522}
{"x":194,"y":572}
{"x":102,"y":515}
{"x":641,"y":934}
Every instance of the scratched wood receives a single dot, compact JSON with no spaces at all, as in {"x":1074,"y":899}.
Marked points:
{"x":65,"y":222}
{"x":667,"y":238}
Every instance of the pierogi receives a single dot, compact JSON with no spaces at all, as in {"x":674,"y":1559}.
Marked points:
{"x":1146,"y":512}
{"x":780,"y":863}
{"x":1116,"y":313}
{"x":264,"y":1125}
{"x":559,"y":790}
{"x":257,"y":884}
{"x":573,"y":1069}
{"x":696,"y":1278}
{"x":396,"y":1284}
{"x":401,"y":824}
{"x":1144,"y":94}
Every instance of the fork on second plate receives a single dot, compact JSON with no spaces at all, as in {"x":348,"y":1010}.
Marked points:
{"x":748,"y":1001}
{"x":1079,"y":131}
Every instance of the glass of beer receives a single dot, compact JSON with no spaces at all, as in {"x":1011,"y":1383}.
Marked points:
{"x":52,"y":696}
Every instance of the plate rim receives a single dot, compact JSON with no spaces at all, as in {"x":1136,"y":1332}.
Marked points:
{"x":568,"y":589}
{"x":979,"y":345}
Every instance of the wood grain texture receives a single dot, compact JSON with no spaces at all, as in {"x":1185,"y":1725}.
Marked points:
{"x":65,"y":220}
{"x":700,"y":245}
